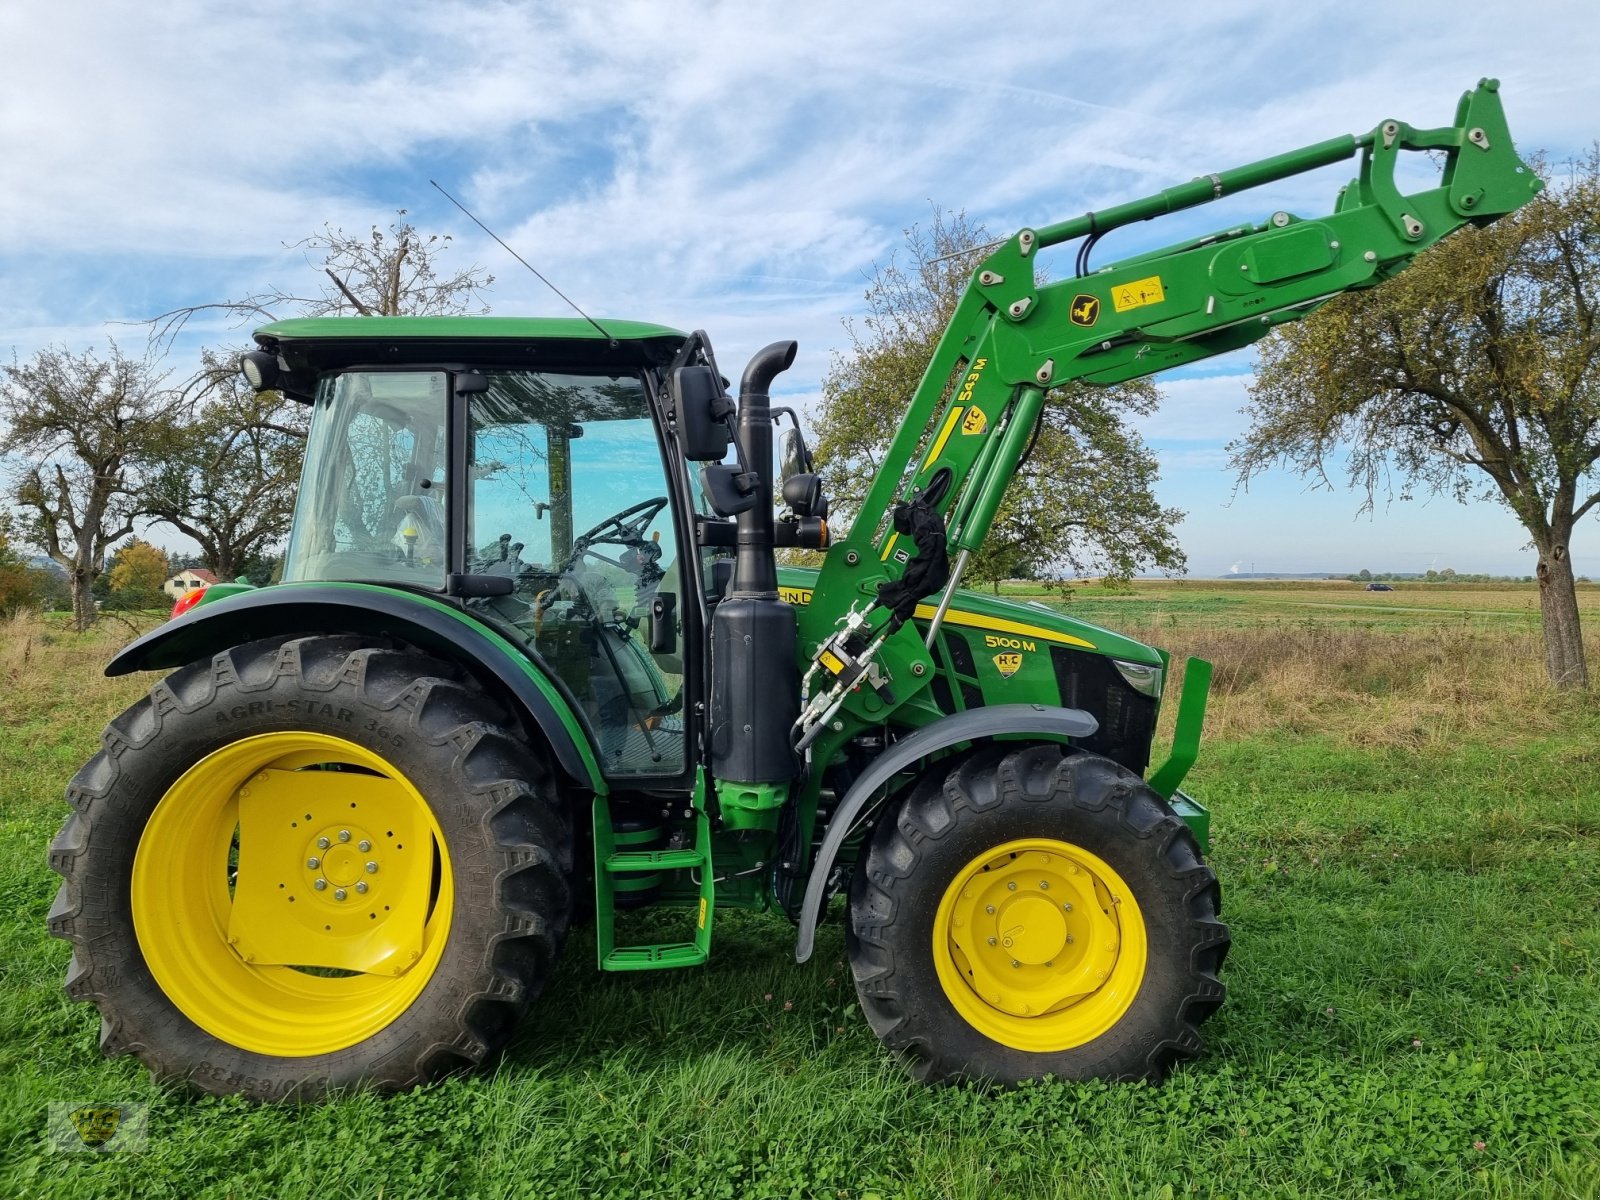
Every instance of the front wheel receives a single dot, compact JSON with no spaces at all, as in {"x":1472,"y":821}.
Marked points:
{"x":307,"y":865}
{"x":1035,"y":913}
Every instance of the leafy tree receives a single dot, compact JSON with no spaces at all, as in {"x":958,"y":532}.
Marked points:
{"x":1477,"y":372}
{"x":136,"y":571}
{"x":228,"y":478}
{"x":1082,"y":500}
{"x":21,"y":587}
{"x":83,"y":431}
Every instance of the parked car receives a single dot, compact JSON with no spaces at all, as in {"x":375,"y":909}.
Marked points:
{"x":1379,"y":587}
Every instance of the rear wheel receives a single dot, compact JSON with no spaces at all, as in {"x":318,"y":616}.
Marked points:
{"x":311,"y":864}
{"x":1035,"y":913}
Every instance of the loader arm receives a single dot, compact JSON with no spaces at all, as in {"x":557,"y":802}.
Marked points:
{"x":1012,"y":339}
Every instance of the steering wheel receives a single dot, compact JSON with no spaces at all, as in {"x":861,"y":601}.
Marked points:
{"x":625,"y":528}
{"x":617,"y":529}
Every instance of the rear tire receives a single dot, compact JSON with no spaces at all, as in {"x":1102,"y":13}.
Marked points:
{"x":1031,"y":913}
{"x":227,"y":810}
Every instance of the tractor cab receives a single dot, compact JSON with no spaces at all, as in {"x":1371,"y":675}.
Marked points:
{"x":534,"y":482}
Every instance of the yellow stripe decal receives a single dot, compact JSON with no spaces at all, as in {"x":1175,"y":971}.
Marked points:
{"x":955,"y":616}
{"x":888,"y":547}
{"x":999,"y":625}
{"x":944,"y":436}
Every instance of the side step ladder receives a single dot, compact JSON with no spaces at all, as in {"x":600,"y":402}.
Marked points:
{"x":612,"y":866}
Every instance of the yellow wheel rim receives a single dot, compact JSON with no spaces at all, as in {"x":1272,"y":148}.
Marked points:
{"x":292,"y":893}
{"x":1040,"y":945}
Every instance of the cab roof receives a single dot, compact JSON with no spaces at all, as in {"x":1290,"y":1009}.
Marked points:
{"x":308,"y":345}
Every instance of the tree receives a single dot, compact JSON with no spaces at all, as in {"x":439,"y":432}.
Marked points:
{"x":1083,"y":499}
{"x":228,"y":479}
{"x":1476,"y":372}
{"x":380,"y":274}
{"x":86,"y":430}
{"x":20,"y":586}
{"x":136,"y":571}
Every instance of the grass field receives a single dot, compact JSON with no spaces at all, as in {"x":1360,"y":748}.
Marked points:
{"x":1407,"y":830}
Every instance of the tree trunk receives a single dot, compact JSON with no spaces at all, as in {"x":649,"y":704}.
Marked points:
{"x":1558,"y":607}
{"x":84,"y":613}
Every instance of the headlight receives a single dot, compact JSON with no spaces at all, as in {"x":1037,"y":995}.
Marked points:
{"x":1141,"y":677}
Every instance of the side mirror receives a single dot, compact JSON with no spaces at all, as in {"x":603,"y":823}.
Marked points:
{"x":699,"y":410}
{"x":791,"y":455}
{"x":729,"y":489}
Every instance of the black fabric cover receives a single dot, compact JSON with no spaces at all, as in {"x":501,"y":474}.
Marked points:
{"x":929,"y":570}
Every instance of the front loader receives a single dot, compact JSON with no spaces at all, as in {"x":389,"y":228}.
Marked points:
{"x":533,"y":660}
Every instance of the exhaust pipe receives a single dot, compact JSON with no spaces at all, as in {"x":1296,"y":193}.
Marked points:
{"x":755,"y":571}
{"x":755,"y":686}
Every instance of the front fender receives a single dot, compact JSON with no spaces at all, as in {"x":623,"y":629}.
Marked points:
{"x":948,"y":731}
{"x":509,"y":671}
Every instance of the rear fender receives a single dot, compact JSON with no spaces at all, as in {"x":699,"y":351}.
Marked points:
{"x":509,"y":672}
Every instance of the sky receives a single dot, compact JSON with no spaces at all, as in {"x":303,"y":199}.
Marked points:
{"x":741,"y":168}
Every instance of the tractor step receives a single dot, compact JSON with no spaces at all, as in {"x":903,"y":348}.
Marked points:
{"x":630,"y":872}
{"x":654,"y":958}
{"x":624,"y":861}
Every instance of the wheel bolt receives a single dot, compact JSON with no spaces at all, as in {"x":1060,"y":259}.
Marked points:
{"x":1015,"y":963}
{"x":344,"y":835}
{"x":992,"y":941}
{"x":1043,"y":886}
{"x":323,"y":843}
{"x":372,"y":868}
{"x":363,"y":845}
{"x":321,"y":885}
{"x":362,"y":887}
{"x":989,"y":908}
{"x":340,"y":893}
{"x":313,"y":862}
{"x":1012,"y":886}
{"x":1067,"y":907}
{"x":1070,"y":939}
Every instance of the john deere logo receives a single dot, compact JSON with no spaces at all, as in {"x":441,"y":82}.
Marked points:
{"x":1085,"y":310}
{"x":1008,"y":664}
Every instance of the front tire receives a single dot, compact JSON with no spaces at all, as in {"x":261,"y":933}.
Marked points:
{"x":311,"y":864}
{"x":1032,"y":913}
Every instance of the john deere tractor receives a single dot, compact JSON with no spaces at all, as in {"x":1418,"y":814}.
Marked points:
{"x":533,"y":662}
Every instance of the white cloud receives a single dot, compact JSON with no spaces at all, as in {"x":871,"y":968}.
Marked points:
{"x":736,"y":167}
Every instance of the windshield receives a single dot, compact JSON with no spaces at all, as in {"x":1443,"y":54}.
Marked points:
{"x":371,"y":504}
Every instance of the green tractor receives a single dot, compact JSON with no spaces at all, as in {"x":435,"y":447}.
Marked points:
{"x":533,"y":661}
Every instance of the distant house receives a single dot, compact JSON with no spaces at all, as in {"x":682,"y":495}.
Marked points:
{"x":185,"y":581}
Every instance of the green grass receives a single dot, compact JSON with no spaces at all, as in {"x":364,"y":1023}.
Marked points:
{"x":1415,"y":970}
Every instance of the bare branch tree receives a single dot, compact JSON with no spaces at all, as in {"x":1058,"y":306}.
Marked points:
{"x":385,"y":273}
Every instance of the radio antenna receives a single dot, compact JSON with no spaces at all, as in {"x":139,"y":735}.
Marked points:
{"x":525,"y":263}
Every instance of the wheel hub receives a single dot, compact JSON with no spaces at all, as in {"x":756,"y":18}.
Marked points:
{"x":334,"y":872}
{"x":1035,"y":930}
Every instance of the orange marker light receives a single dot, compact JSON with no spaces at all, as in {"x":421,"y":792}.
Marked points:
{"x":187,"y":601}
